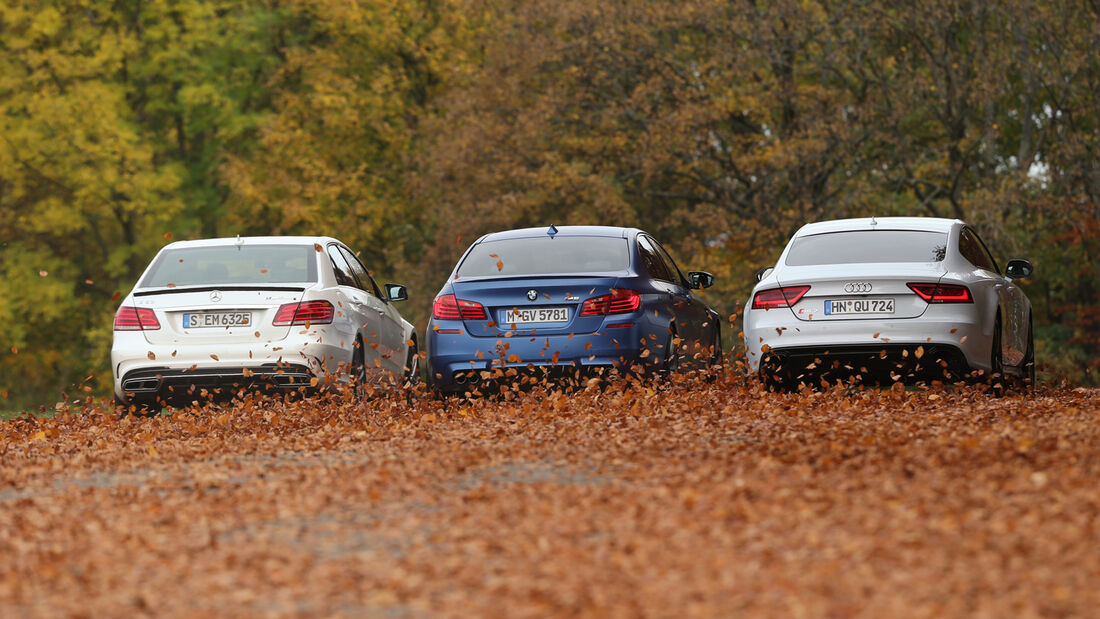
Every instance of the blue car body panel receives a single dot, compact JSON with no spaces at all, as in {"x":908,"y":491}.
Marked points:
{"x":643,"y":336}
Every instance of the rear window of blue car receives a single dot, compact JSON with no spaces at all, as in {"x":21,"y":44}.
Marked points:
{"x":248,"y":264}
{"x":860,"y":246}
{"x":546,"y":256}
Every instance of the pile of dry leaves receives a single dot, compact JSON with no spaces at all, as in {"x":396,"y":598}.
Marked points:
{"x":689,"y":498}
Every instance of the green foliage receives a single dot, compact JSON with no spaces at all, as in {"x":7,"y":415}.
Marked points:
{"x":410,"y":127}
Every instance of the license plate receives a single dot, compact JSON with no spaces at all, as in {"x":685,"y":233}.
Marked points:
{"x":859,"y":306}
{"x":198,"y":320}
{"x":536,"y":314}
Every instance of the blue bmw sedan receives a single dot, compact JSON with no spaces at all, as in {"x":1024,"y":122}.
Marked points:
{"x":565,"y":302}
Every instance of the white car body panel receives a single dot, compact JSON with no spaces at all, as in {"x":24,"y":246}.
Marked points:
{"x":322,"y":351}
{"x":965,"y":327}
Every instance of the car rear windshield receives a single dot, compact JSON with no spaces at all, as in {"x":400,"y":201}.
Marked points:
{"x":857,"y":246}
{"x":247,"y":265}
{"x":546,"y":256}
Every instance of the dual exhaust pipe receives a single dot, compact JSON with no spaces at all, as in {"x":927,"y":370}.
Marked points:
{"x":472,"y":378}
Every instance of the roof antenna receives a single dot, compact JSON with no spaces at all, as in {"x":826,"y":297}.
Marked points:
{"x":873,"y":222}
{"x":240,"y":242}
{"x":552,"y":231}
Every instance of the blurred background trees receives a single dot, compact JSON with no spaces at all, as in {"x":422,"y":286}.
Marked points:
{"x":410,"y":127}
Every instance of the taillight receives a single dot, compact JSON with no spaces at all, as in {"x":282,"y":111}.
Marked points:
{"x":312,"y":312}
{"x":778,"y":297}
{"x":136,"y":319}
{"x":447,"y":307}
{"x":942,"y":293}
{"x":620,"y":301}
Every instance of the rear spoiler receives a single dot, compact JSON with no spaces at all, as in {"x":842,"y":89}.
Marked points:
{"x":146,"y":293}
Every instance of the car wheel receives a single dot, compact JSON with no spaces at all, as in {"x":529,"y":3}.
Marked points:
{"x":1027,"y":368}
{"x":671,"y":362}
{"x":412,"y":366}
{"x":358,"y":370}
{"x":996,"y":379}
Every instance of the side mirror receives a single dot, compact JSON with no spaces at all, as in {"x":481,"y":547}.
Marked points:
{"x":764,"y":272}
{"x":396,"y":292}
{"x":700,"y":279}
{"x":1018,"y":269}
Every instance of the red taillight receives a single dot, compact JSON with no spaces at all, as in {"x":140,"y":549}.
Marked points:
{"x":312,"y":312}
{"x":620,"y":301}
{"x":136,"y":319}
{"x":942,"y":293}
{"x":778,"y":297}
{"x":447,"y":307}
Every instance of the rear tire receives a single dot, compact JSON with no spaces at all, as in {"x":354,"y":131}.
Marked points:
{"x":412,"y":366}
{"x":996,"y":379}
{"x":671,"y":362}
{"x":358,"y":370}
{"x":1027,"y":368}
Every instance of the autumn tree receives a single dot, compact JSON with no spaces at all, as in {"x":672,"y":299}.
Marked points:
{"x":113,"y":118}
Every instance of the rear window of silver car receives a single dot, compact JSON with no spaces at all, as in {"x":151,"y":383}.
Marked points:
{"x":546,"y":256}
{"x":247,"y":264}
{"x":860,"y":246}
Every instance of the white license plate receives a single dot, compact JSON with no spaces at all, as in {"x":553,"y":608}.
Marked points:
{"x":536,"y":314}
{"x":859,"y":306}
{"x":198,"y":320}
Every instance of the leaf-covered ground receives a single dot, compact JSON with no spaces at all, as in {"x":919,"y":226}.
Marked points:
{"x":693,"y":499}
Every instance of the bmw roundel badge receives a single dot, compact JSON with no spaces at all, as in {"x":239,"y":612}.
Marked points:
{"x":532,"y":295}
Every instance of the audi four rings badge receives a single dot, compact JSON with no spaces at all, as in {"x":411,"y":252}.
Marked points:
{"x":857,"y":287}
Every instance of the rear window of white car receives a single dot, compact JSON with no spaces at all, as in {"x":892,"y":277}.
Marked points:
{"x":247,"y":264}
{"x":859,"y":246}
{"x":546,"y":256}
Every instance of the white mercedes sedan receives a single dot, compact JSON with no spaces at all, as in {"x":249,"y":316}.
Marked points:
{"x":216,"y":316}
{"x":893,"y":299}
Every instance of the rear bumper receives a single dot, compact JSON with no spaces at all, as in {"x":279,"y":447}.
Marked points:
{"x":456,"y":358}
{"x":173,"y":384}
{"x":882,"y":364}
{"x":136,"y":364}
{"x":942,"y":327}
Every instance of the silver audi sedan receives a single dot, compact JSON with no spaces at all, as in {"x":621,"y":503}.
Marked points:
{"x":892,"y":298}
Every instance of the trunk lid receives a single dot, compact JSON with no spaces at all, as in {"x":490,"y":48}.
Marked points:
{"x":860,"y":291}
{"x":500,"y":296}
{"x":234,"y":315}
